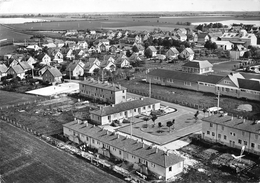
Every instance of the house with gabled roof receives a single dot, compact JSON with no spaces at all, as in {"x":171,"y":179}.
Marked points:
{"x":70,"y":55}
{"x":25,"y":66}
{"x":163,"y":164}
{"x":123,"y":63}
{"x":91,"y":65}
{"x":31,"y":61}
{"x":187,"y":53}
{"x":225,"y":45}
{"x":82,"y":45}
{"x":16,"y":71}
{"x":153,"y":50}
{"x":182,"y":37}
{"x":197,"y":66}
{"x":108,"y":63}
{"x":135,"y":58}
{"x":3,"y":70}
{"x":58,"y":56}
{"x":229,"y":85}
{"x":75,"y":68}
{"x":52,"y":75}
{"x":172,"y":53}
{"x":140,"y":48}
{"x":44,"y":59}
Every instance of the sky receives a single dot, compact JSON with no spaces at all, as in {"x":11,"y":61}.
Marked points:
{"x":70,"y":6}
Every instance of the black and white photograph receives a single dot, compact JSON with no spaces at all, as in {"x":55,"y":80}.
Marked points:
{"x":138,"y":91}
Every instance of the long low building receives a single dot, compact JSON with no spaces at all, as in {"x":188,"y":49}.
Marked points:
{"x":234,"y":84}
{"x":123,"y":110}
{"x":232,"y":131}
{"x":107,"y":92}
{"x":146,"y":159}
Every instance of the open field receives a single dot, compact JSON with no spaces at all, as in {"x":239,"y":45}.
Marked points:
{"x":26,"y":159}
{"x":11,"y":35}
{"x":45,"y":117}
{"x":10,"y":98}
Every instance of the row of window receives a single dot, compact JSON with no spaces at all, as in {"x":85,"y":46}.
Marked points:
{"x":108,"y":147}
{"x":253,"y":145}
{"x":233,"y":133}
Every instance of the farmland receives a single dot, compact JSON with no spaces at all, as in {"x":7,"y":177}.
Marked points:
{"x":10,"y":98}
{"x":45,"y":117}
{"x":123,"y":22}
{"x":6,"y":33}
{"x":26,"y":159}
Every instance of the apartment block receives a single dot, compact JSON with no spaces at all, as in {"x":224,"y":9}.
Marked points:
{"x":232,"y":131}
{"x":107,"y":92}
{"x":146,"y":159}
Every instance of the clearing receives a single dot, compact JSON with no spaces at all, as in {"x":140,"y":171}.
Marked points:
{"x":26,"y":159}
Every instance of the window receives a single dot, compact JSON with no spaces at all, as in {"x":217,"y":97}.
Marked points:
{"x":120,"y":152}
{"x":93,"y":140}
{"x":123,"y":91}
{"x":252,"y":145}
{"x":143,"y":108}
{"x":213,"y":134}
{"x":219,"y":136}
{"x":245,"y":143}
{"x":208,"y":132}
{"x":239,"y":141}
{"x":211,"y":125}
{"x":227,"y":82}
{"x":134,"y":110}
{"x":225,"y":137}
{"x":232,"y":134}
{"x":170,"y":169}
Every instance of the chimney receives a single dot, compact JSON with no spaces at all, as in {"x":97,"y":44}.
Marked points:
{"x":232,"y":118}
{"x":141,"y":98}
{"x":112,"y":105}
{"x":244,"y":121}
{"x":156,"y":149}
{"x":86,"y":123}
{"x":75,"y":119}
{"x":143,"y":145}
{"x":117,"y":136}
{"x":107,"y":132}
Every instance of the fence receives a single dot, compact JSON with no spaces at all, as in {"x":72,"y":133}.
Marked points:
{"x":171,"y":100}
{"x":21,"y":103}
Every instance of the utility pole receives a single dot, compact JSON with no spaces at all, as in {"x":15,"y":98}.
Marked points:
{"x":150,"y":88}
{"x":218,"y":100}
{"x":70,"y":73}
{"x":132,"y":123}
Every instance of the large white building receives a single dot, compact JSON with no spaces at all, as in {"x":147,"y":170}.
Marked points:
{"x":124,"y":110}
{"x":146,"y":159}
{"x":232,"y":131}
{"x":107,"y":92}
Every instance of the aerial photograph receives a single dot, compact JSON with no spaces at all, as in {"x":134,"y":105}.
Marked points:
{"x":138,"y":91}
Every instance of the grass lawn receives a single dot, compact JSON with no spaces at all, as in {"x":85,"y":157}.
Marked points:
{"x":10,"y":98}
{"x":26,"y":159}
{"x":11,"y":35}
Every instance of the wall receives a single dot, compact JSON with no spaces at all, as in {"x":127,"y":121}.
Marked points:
{"x":176,"y":169}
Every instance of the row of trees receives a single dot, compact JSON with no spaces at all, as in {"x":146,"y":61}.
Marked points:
{"x":202,"y":27}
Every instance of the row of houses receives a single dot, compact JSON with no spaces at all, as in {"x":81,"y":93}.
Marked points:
{"x":234,"y":84}
{"x":146,"y":159}
{"x":232,"y":131}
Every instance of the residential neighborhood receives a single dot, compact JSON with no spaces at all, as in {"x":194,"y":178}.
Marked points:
{"x":144,"y":106}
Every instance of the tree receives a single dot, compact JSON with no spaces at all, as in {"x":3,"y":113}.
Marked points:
{"x":169,"y":124}
{"x":214,"y":46}
{"x":146,"y":119}
{"x":154,"y":117}
{"x":148,"y":53}
{"x":208,"y":44}
{"x":135,"y":49}
{"x":128,"y":53}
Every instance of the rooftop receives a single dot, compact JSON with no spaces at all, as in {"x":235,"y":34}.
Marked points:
{"x":104,"y":85}
{"x":134,"y":147}
{"x":124,"y":106}
{"x":234,"y":122}
{"x":184,"y":76}
{"x":198,"y":64}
